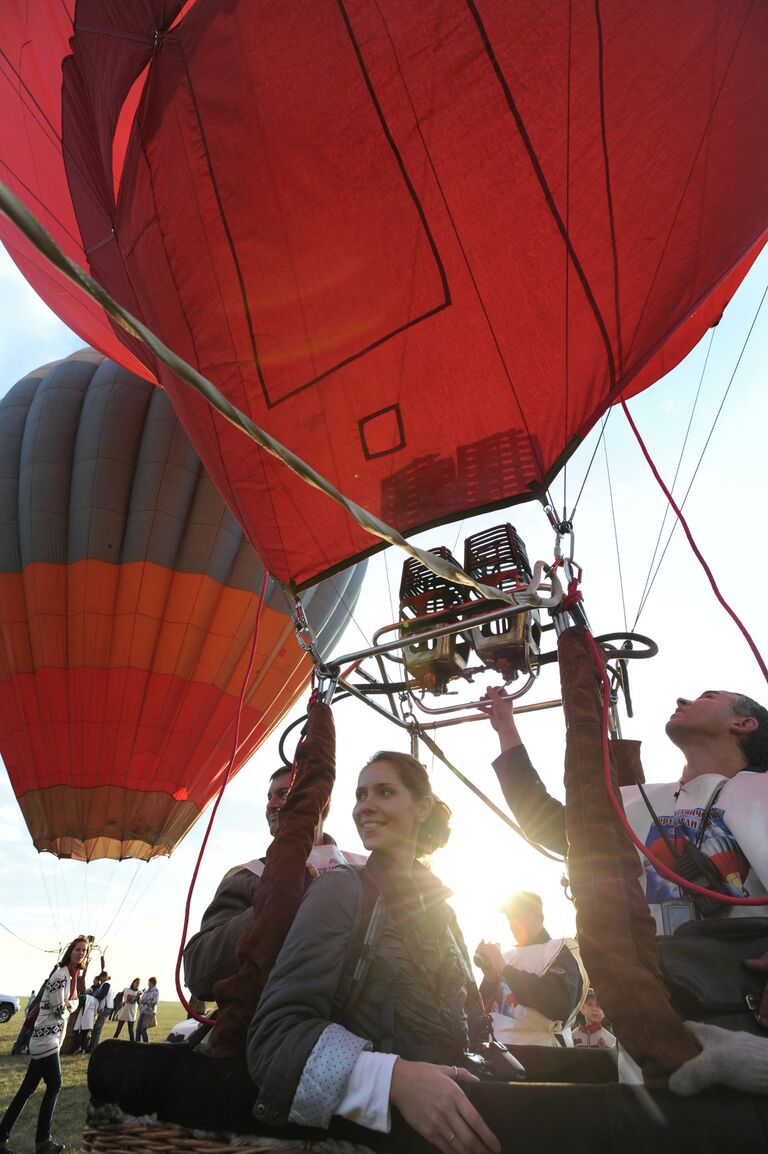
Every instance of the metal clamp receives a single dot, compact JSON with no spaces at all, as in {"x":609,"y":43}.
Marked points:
{"x":325,"y":676}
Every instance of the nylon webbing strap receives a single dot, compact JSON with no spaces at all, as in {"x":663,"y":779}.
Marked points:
{"x":36,"y":234}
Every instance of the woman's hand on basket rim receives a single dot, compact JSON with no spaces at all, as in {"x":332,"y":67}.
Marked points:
{"x":431,"y":1100}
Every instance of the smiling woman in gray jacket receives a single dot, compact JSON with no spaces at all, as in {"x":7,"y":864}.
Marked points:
{"x":319,"y":1046}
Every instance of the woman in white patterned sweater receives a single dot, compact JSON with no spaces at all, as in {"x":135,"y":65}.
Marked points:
{"x":58,"y":1000}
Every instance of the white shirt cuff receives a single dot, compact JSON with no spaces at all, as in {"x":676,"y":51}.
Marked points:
{"x":366,"y":1097}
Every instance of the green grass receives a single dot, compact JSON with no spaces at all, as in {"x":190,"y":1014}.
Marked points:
{"x":69,"y":1119}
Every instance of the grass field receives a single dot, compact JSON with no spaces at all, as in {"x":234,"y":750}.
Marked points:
{"x":70,"y":1112}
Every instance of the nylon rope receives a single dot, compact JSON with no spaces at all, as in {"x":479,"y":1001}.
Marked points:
{"x":32,"y":229}
{"x":697,"y":552}
{"x":658,"y":865}
{"x":217,"y":802}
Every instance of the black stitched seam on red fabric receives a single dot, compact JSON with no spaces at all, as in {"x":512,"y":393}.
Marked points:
{"x":268,"y":400}
{"x":538,"y":170}
{"x":369,"y":456}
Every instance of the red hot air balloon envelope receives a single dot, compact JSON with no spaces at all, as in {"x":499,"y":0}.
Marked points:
{"x":424,"y":245}
{"x":128,"y":597}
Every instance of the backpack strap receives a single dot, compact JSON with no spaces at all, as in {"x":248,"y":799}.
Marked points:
{"x":362,"y":946}
{"x":705,"y":816}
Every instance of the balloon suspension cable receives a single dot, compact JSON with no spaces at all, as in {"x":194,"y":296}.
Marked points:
{"x":434,"y":748}
{"x":227,"y":772}
{"x":40,"y":238}
{"x":31,"y":945}
{"x":696,"y":551}
{"x":657,"y":864}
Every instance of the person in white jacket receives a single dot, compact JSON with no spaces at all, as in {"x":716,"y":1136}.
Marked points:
{"x":58,"y":1000}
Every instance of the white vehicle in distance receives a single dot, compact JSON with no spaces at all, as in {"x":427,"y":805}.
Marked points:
{"x":9,"y":1005}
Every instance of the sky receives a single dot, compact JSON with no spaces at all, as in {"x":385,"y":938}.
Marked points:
{"x":135,"y":910}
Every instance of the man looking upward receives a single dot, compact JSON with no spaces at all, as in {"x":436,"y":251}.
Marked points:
{"x":719,"y":805}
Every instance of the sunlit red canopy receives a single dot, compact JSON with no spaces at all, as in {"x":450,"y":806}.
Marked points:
{"x":128,"y":600}
{"x":423,"y":244}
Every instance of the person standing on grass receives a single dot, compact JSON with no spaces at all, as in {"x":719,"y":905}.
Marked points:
{"x":147,"y":1011}
{"x":127,"y":1012}
{"x":58,"y":1000}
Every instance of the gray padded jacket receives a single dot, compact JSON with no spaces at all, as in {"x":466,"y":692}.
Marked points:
{"x":412,"y":1000}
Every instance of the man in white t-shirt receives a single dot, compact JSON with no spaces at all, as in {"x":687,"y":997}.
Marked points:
{"x":209,"y":955}
{"x":719,"y":805}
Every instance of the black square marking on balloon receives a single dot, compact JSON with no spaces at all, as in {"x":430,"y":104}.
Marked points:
{"x":382,"y":432}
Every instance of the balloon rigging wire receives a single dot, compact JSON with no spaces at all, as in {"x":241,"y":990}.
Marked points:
{"x":64,"y":883}
{"x":86,"y":901}
{"x":615,"y":535}
{"x":51,"y":905}
{"x":458,"y":534}
{"x":350,"y":608}
{"x":104,"y":900}
{"x":389,"y":588}
{"x":684,"y":525}
{"x":124,"y":900}
{"x":137,"y":899}
{"x":657,"y":864}
{"x":647,"y":587}
{"x":706,"y":443}
{"x":437,"y":752}
{"x":32,"y":946}
{"x":603,"y":426}
{"x":217,"y":802}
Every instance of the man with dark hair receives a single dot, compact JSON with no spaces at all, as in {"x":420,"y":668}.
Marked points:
{"x":717,"y":810}
{"x":534,"y":991}
{"x":754,"y":744}
{"x":209,"y":955}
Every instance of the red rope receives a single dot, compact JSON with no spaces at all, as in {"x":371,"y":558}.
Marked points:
{"x":697,"y":552}
{"x":235,"y":743}
{"x":658,"y":865}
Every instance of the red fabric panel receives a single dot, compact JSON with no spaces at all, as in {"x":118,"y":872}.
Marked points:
{"x":88,"y":728}
{"x":423,"y":244}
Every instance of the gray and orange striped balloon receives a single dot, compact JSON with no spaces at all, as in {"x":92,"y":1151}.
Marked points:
{"x":128,"y":598}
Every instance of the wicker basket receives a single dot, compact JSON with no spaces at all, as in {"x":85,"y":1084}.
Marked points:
{"x":137,"y":1138}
